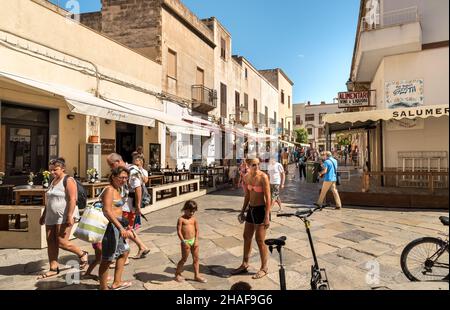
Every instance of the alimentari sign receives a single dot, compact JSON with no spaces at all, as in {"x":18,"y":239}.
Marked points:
{"x":422,"y":112}
{"x":354,"y":99}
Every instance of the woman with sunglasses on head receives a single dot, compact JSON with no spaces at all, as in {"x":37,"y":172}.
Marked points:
{"x":59,"y":217}
{"x":257,"y":203}
{"x":114,"y":244}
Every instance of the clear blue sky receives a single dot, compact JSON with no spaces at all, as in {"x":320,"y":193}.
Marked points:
{"x":312,"y":41}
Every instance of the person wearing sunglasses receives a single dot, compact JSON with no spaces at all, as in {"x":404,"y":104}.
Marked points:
{"x":114,"y":244}
{"x":257,"y":204}
{"x":132,"y":190}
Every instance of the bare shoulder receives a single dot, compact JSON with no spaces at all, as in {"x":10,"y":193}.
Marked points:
{"x":264,"y":177}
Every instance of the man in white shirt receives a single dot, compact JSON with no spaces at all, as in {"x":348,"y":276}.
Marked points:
{"x":277,"y":179}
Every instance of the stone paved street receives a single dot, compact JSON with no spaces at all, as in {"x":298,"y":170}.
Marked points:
{"x":346,"y":242}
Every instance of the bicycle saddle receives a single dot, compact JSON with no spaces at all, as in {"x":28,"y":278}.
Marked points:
{"x":276,"y":242}
{"x":444,"y":220}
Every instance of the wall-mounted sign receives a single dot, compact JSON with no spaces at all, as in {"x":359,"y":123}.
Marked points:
{"x":405,"y":124}
{"x":403,"y":94}
{"x":108,"y":146}
{"x":354,"y":99}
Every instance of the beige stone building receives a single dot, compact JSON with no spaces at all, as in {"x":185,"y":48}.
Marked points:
{"x":401,"y":56}
{"x":201,"y":78}
{"x":58,"y":99}
{"x":310,"y":117}
{"x":283,"y":119}
{"x":153,"y":75}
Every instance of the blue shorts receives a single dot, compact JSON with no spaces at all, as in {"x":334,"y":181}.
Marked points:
{"x":113,"y":245}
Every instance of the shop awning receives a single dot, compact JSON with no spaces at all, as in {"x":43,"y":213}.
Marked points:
{"x":366,"y":117}
{"x":87,"y":104}
{"x":174,"y":124}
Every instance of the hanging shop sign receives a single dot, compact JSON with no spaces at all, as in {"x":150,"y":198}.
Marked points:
{"x":354,"y":99}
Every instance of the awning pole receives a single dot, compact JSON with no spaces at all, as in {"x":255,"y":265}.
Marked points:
{"x":328,"y":137}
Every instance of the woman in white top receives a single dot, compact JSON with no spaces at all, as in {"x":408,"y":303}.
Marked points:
{"x":59,"y":217}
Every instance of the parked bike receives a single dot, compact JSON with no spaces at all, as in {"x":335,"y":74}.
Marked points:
{"x":319,"y":279}
{"x":426,"y":259}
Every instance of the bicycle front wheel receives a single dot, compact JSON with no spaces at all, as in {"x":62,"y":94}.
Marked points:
{"x":425,"y":259}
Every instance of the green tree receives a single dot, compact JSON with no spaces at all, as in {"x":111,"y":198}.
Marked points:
{"x":343,"y":139}
{"x":302,"y":135}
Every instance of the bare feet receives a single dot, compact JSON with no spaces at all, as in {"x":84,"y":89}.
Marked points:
{"x":179,"y":278}
{"x":200,"y":279}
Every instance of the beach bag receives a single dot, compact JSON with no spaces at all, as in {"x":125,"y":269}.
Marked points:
{"x":92,"y":225}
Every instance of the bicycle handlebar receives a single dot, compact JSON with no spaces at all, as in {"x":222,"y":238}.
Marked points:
{"x":303,"y":213}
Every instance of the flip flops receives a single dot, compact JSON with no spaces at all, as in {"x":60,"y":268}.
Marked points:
{"x":47,"y":275}
{"x":122,"y":286}
{"x":142,"y":255}
{"x":240,"y":270}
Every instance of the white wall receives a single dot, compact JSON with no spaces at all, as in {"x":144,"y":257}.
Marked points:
{"x":433,"y":13}
{"x":434,"y":137}
{"x":430,"y":65}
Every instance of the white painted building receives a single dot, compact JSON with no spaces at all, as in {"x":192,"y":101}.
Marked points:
{"x":310,"y":117}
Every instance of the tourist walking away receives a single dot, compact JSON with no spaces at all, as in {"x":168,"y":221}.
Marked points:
{"x":277,"y":180}
{"x":60,"y":214}
{"x":355,"y":155}
{"x":302,"y":165}
{"x":188,"y":232}
{"x":233,"y":175}
{"x":243,"y":170}
{"x":285,"y":160}
{"x":329,"y":174}
{"x":114,"y":244}
{"x":256,"y":215}
{"x":133,"y":193}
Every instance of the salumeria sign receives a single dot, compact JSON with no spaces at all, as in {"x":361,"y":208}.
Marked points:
{"x":420,"y":112}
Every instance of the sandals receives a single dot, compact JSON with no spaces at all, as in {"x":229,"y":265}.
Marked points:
{"x":260,"y":274}
{"x":47,"y":274}
{"x":142,"y":255}
{"x":84,"y":263}
{"x":122,"y":286}
{"x":240,"y":270}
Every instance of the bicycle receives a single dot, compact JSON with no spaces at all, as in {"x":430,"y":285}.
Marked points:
{"x":426,"y":258}
{"x":319,"y":279}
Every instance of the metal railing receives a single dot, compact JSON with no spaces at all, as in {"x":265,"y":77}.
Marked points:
{"x":244,"y":116}
{"x":205,"y":96}
{"x":390,"y":18}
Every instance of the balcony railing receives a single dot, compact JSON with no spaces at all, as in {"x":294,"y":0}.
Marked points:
{"x":204,"y":100}
{"x":390,"y":18}
{"x":244,"y":117}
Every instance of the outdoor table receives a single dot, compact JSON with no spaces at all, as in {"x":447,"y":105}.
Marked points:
{"x":156,"y":178}
{"x":206,"y":179}
{"x":34,"y":192}
{"x":91,"y":188}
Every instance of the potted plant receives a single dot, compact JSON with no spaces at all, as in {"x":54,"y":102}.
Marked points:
{"x":46,"y":178}
{"x":92,"y":172}
{"x":2,"y":177}
{"x":31,"y":177}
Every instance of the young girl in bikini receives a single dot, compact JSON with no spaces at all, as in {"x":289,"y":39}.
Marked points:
{"x":188,"y":233}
